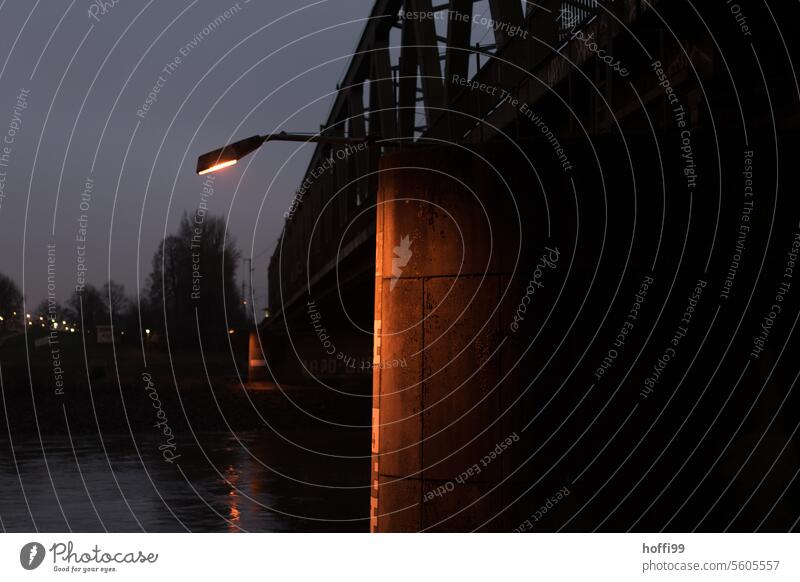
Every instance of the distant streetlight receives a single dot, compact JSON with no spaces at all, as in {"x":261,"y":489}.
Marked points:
{"x":230,"y":154}
{"x":147,"y":331}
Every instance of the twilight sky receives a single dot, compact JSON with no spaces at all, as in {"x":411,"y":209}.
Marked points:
{"x":88,"y":154}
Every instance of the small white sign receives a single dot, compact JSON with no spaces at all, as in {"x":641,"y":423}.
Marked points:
{"x":105,"y":334}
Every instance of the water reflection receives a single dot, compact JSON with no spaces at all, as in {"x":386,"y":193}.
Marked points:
{"x":248,"y":482}
{"x":232,"y":478}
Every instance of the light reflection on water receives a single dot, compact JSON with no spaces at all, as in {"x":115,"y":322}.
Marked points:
{"x":219,"y":485}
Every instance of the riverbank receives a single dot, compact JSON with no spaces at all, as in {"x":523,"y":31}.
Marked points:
{"x":115,"y":387}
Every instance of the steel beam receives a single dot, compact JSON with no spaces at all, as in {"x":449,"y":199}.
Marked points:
{"x":428,"y":55}
{"x":407,"y":91}
{"x":459,"y":28}
{"x":508,"y":14}
{"x":383,"y":85}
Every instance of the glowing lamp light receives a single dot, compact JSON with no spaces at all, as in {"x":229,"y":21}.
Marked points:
{"x":147,"y":331}
{"x":217,"y":167}
{"x":228,"y":155}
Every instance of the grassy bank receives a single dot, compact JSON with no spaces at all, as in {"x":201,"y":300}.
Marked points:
{"x":60,"y":386}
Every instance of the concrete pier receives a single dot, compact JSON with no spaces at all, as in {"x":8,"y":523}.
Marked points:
{"x":447,"y":242}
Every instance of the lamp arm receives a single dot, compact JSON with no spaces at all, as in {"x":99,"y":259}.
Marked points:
{"x":317,"y":138}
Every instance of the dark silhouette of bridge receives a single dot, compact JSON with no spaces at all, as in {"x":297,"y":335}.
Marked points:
{"x":464,"y":279}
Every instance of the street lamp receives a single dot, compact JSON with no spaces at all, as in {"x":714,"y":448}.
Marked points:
{"x":230,"y":154}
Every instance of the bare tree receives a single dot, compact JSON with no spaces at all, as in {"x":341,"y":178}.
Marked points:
{"x":10,"y":297}
{"x":114,"y":299}
{"x":89,"y":307}
{"x":193,"y":283}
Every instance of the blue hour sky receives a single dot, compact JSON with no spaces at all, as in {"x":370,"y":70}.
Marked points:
{"x":104,"y":108}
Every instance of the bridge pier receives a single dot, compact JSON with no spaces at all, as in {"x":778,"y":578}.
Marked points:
{"x":256,"y":364}
{"x":447,"y":240}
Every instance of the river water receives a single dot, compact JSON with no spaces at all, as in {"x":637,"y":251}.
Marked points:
{"x":253,"y":481}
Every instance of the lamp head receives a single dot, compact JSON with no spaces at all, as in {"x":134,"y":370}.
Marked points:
{"x":228,"y":155}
